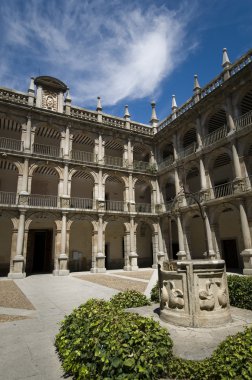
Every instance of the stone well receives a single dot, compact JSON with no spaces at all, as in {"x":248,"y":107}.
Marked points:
{"x":194,"y":293}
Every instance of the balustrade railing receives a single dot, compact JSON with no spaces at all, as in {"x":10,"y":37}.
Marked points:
{"x":11,"y":144}
{"x":82,"y":156}
{"x":113,"y":121}
{"x":38,"y":200}
{"x":114,"y":205}
{"x":141,"y":128}
{"x":82,"y":203}
{"x":143,"y":207}
{"x":210,"y":87}
{"x":13,"y":96}
{"x":187,"y":151}
{"x":114,"y":161}
{"x":83,"y":114}
{"x":8,"y":198}
{"x":217,"y":135}
{"x":144,"y":166}
{"x":167,"y":162}
{"x":243,"y":61}
{"x":47,"y":150}
{"x":223,"y":190}
{"x":243,"y":121}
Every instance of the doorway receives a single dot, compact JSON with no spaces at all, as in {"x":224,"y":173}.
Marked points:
{"x":39,"y":251}
{"x":230,"y":254}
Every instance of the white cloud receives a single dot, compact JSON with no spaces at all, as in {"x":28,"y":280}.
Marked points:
{"x":97,"y":47}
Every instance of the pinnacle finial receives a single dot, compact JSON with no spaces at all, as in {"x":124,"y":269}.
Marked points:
{"x":225,"y":60}
{"x":99,"y":105}
{"x":174,"y":103}
{"x":154,"y":118}
{"x":196,"y":83}
{"x":126,"y":112}
{"x":68,"y":97}
{"x":32,"y":87}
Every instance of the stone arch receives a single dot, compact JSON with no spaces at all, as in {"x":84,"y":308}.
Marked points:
{"x":115,"y":192}
{"x":10,"y":128}
{"x":189,"y":137}
{"x":167,"y":187}
{"x":215,"y":120}
{"x":141,"y":152}
{"x":243,"y":99}
{"x":45,"y":180}
{"x":143,"y":194}
{"x":192,"y":178}
{"x":195,"y":234}
{"x":144,"y":231}
{"x":10,"y":175}
{"x":82,"y":185}
{"x":115,"y":243}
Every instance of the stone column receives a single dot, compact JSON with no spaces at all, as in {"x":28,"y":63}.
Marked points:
{"x":130,"y":155}
{"x":127,"y":251}
{"x":27,"y":141}
{"x":176,"y":181}
{"x":202,"y":175}
{"x":18,"y":260}
{"x":212,"y":254}
{"x":247,"y":252}
{"x":63,"y":257}
{"x":131,"y":194}
{"x":101,"y":150}
{"x":24,"y":189}
{"x":181,"y":254}
{"x":175,"y":147}
{"x":187,"y":241}
{"x":57,"y":251}
{"x":229,"y":113}
{"x":155,"y":249}
{"x":13,"y":249}
{"x":236,"y":161}
{"x":160,"y":244}
{"x":216,"y":239}
{"x":100,"y":257}
{"x":65,"y":181}
{"x":66,"y":148}
{"x":133,"y":255}
{"x":198,"y":132}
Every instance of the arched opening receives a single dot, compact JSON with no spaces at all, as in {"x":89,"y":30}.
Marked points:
{"x":230,"y":235}
{"x":196,"y":237}
{"x":189,"y":143}
{"x":47,"y":142}
{"x":114,"y":245}
{"x":82,"y":186}
{"x":8,"y":182}
{"x":6,"y":229}
{"x":113,"y":154}
{"x":114,"y":194}
{"x":83,"y":148}
{"x":80,"y":246}
{"x":216,"y":121}
{"x":142,"y":196}
{"x":246,"y":103}
{"x":44,"y":187}
{"x":40,"y":246}
{"x":141,"y":157}
{"x":166,"y":155}
{"x":144,"y":245}
{"x":193,"y":184}
{"x":10,"y":132}
{"x":222,"y":175}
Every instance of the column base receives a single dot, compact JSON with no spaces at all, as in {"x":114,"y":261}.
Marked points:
{"x":247,"y":272}
{"x":100,"y":263}
{"x":181,"y":255}
{"x":133,"y":261}
{"x":98,"y":270}
{"x":14,"y":276}
{"x":247,"y":261}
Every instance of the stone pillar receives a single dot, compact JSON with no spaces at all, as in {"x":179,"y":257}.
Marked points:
{"x":27,"y":140}
{"x":155,"y":249}
{"x":175,"y":147}
{"x":18,"y":260}
{"x":63,"y":257}
{"x":133,"y":255}
{"x":66,"y":147}
{"x":198,"y":132}
{"x":100,"y":257}
{"x":202,"y":175}
{"x":24,"y":189}
{"x":160,"y":244}
{"x":176,"y":181}
{"x":127,"y":251}
{"x":247,"y":252}
{"x":212,"y":254}
{"x":216,"y":239}
{"x":236,"y":161}
{"x":130,"y":155}
{"x":13,"y":249}
{"x":229,"y":113}
{"x":181,"y":254}
{"x":101,"y":150}
{"x":65,"y":181}
{"x":187,"y":241}
{"x":131,"y":194}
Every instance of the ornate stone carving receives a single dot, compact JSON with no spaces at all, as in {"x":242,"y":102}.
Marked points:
{"x":164,"y":295}
{"x":176,"y":297}
{"x":222,"y":294}
{"x":50,"y":100}
{"x":207,"y":300}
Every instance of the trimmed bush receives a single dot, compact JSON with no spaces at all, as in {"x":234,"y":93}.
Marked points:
{"x":155,"y":293}
{"x":240,"y":291}
{"x":98,"y":341}
{"x":129,"y":298}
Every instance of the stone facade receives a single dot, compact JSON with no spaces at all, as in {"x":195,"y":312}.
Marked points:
{"x":83,"y":190}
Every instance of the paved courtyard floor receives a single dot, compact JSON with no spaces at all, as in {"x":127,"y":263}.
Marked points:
{"x":27,"y":345}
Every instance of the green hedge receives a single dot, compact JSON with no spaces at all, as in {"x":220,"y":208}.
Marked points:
{"x":99,"y":341}
{"x":240,"y":291}
{"x":129,"y":298}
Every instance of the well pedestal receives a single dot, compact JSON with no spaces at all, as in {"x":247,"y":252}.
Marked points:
{"x":195,"y":293}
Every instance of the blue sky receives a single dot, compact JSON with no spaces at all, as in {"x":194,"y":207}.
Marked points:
{"x":126,"y":52}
